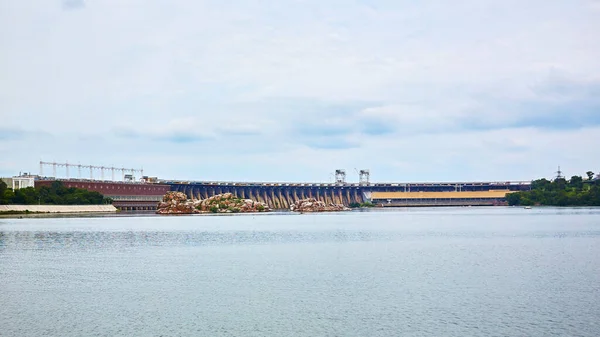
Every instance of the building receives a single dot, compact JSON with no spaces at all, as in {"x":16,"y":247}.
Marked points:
{"x":125,"y":195}
{"x":466,"y":198}
{"x":22,"y":181}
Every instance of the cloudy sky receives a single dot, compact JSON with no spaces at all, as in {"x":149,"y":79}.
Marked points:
{"x":256,"y":90}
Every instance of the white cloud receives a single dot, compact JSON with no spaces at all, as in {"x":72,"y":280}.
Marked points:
{"x":301,"y":87}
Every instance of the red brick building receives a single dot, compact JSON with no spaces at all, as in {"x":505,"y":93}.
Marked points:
{"x":125,"y":195}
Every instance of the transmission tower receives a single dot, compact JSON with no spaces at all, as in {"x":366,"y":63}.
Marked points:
{"x":559,"y":174}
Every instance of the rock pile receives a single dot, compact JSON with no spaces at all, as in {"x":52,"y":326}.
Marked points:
{"x":314,"y":205}
{"x":177,"y":203}
{"x":228,"y":203}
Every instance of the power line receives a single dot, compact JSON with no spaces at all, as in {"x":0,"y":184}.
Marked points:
{"x":92,"y":168}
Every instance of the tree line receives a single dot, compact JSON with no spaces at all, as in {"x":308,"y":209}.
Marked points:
{"x":56,"y":194}
{"x":559,"y":192}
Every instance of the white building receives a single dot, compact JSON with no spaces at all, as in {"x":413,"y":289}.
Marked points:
{"x":23,"y":181}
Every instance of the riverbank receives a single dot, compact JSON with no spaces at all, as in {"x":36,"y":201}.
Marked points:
{"x":42,"y":209}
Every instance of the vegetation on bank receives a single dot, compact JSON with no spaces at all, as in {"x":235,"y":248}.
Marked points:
{"x":56,"y":194}
{"x":559,"y":192}
{"x":16,"y":212}
{"x":365,"y":204}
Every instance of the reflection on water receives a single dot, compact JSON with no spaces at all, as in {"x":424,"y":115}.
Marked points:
{"x":112,"y":240}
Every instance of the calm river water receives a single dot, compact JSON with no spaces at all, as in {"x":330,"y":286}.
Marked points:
{"x":416,"y":272}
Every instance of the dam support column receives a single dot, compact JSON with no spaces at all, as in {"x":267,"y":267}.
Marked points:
{"x":258,"y":195}
{"x":326,"y":197}
{"x":288,"y":195}
{"x":281,"y":202}
{"x":276,"y":202}
{"x":268,"y":200}
{"x":339,"y":197}
{"x":355,"y":196}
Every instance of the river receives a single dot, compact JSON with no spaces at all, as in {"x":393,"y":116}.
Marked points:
{"x":495,"y":271}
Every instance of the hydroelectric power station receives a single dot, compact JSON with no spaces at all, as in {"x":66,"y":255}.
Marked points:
{"x":144,"y":193}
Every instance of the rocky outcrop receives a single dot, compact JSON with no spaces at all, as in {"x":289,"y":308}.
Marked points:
{"x":228,"y":203}
{"x":314,"y":205}
{"x":178,"y":203}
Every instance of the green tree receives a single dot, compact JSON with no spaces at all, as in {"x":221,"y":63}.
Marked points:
{"x":541,"y":184}
{"x":590,"y":175}
{"x":559,"y":184}
{"x":56,"y":194}
{"x":558,"y":193}
{"x":514,"y":199}
{"x":58,"y":188}
{"x":26,"y":196}
{"x":576,"y":182}
{"x":3,"y":189}
{"x":9,"y":196}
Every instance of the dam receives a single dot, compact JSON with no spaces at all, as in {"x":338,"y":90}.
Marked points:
{"x":146,"y":192}
{"x":280,"y":195}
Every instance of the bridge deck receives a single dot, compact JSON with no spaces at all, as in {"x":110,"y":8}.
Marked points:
{"x":317,"y":184}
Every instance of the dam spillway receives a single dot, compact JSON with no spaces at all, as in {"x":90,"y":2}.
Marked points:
{"x":277,"y":196}
{"x":282,"y":195}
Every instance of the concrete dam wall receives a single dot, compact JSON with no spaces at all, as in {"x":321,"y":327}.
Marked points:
{"x":277,"y":197}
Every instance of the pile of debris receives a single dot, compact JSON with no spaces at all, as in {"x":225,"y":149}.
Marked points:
{"x":178,"y":203}
{"x":314,"y":205}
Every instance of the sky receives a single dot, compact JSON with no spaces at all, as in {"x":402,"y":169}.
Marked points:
{"x":255,"y":90}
